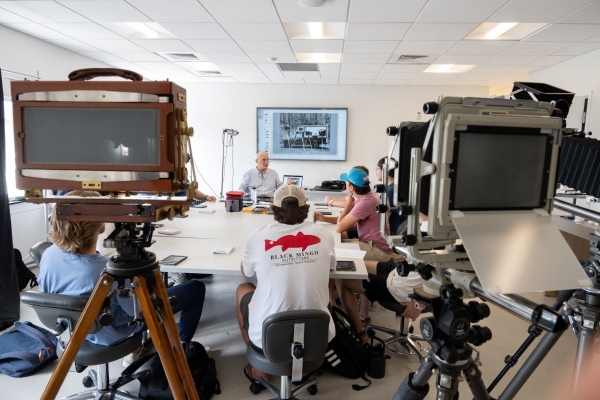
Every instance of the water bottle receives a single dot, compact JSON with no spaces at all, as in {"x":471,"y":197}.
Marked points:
{"x":254,"y":194}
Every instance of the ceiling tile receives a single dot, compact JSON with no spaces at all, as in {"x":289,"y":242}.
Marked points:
{"x":329,"y":67}
{"x":355,"y":81}
{"x":302,"y":74}
{"x":330,"y":74}
{"x":163,"y":45}
{"x":224,"y":79}
{"x":391,"y":81}
{"x":454,"y":82}
{"x":550,"y":60}
{"x":158,"y":66}
{"x":106,"y":11}
{"x":397,"y":75}
{"x":317,"y":46}
{"x":114,"y":45}
{"x":253,"y":80}
{"x":425,"y":82}
{"x":578,"y":49}
{"x":6,"y":17}
{"x":268,"y":67}
{"x":565,"y":33}
{"x":39,"y":31}
{"x":589,"y":14}
{"x":491,"y":69}
{"x":273,"y":74}
{"x":253,"y":31}
{"x":508,"y":79}
{"x":137,"y":55}
{"x":365,"y":58}
{"x":474,"y":77}
{"x":526,"y":69}
{"x":536,"y":48}
{"x":358,"y":75}
{"x":100,"y":56}
{"x":227,"y":57}
{"x":178,"y":74}
{"x":74,"y":45}
{"x":425,"y":47}
{"x":172,"y":10}
{"x":83,"y":30}
{"x":376,"y":31}
{"x":42,"y":11}
{"x":595,"y":39}
{"x":368,"y":46}
{"x":434,"y":76}
{"x":361,"y":67}
{"x":322,"y":81}
{"x":385,"y":10}
{"x":286,"y":80}
{"x":463,"y":59}
{"x":331,"y":11}
{"x":265,"y":46}
{"x":510,"y":60}
{"x":196,"y":30}
{"x":404,"y":67}
{"x":459,"y":10}
{"x":439,"y":31}
{"x":246,"y":74}
{"x":241,"y":10}
{"x":536,"y":10}
{"x":264,"y":57}
{"x":480,"y":46}
{"x":225,"y":66}
{"x":214,"y":46}
{"x":189,"y":78}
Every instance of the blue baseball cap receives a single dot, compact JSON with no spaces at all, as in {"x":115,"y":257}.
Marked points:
{"x":357,"y":177}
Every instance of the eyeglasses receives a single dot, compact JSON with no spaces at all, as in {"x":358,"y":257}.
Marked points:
{"x":378,"y":168}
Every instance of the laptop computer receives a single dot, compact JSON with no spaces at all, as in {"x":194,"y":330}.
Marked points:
{"x":297,"y":179}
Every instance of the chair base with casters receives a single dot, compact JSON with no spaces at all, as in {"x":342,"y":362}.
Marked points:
{"x":60,"y":313}
{"x":403,"y":336}
{"x":293,"y":343}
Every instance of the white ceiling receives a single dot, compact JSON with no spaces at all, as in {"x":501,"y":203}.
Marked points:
{"x":240,"y":37}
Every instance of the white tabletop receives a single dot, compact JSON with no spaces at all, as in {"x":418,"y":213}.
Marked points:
{"x":201,"y":233}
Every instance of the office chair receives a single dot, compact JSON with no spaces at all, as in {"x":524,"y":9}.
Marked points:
{"x":403,"y":335}
{"x":302,"y":333}
{"x":61,"y":313}
{"x":37,"y":250}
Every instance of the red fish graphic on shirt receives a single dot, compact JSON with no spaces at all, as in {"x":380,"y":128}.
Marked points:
{"x":290,"y":241}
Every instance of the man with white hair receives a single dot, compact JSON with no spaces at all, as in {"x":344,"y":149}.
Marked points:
{"x":261,"y":178}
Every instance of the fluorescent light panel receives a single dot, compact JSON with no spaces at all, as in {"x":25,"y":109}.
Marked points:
{"x":448,"y":68}
{"x":503,"y":31}
{"x":319,"y":58}
{"x":315,"y":30}
{"x":144,"y":29}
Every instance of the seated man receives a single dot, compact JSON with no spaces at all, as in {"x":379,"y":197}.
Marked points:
{"x":73,"y":267}
{"x":383,"y":283}
{"x":360,"y":211}
{"x":261,"y":178}
{"x":291,"y":259}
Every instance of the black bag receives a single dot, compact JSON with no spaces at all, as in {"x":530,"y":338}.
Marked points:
{"x":26,"y":349}
{"x":24,"y":274}
{"x":345,"y":353}
{"x":153,"y":381}
{"x":336,"y":185}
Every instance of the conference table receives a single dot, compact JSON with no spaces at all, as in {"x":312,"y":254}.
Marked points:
{"x":206,"y":228}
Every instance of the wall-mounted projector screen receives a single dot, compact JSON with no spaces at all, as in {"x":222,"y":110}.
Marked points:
{"x":302,"y":133}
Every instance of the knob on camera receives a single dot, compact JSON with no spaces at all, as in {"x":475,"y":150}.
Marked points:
{"x":431,"y":108}
{"x":379,"y":188}
{"x":391,"y":131}
{"x":381,"y":208}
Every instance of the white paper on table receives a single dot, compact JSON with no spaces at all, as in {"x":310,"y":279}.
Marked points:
{"x":346,"y":253}
{"x":223,"y":249}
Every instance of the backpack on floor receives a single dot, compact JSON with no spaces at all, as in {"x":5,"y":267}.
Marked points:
{"x":24,"y":274}
{"x":153,"y":381}
{"x":26,"y":349}
{"x":346,"y":355}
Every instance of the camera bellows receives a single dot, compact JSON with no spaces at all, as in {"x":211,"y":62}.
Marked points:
{"x":579,"y":165}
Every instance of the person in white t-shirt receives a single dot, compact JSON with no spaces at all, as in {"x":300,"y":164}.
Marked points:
{"x":384,"y":283}
{"x":291,"y":259}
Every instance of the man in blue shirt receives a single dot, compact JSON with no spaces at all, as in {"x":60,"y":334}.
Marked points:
{"x":394,"y":217}
{"x":266,"y":181}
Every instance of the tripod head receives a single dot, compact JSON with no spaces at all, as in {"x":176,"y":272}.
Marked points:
{"x":132,"y":258}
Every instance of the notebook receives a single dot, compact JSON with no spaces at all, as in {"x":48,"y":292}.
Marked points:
{"x":297,"y":179}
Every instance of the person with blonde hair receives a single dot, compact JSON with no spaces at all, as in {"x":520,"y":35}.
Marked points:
{"x":72,"y":267}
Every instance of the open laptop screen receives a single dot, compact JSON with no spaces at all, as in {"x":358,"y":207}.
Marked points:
{"x":297,"y":179}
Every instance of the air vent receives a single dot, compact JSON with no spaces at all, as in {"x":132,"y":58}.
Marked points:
{"x":404,"y":59}
{"x":180,"y":56}
{"x":206,"y":73}
{"x":302,"y":67}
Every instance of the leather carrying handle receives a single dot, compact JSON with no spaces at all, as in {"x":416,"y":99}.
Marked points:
{"x":90,"y":73}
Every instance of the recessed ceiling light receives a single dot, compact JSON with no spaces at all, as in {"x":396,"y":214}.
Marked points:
{"x":316,"y":29}
{"x":448,"y":68}
{"x":144,"y":29}
{"x":311,"y":3}
{"x":499,"y":30}
{"x":320,"y":58}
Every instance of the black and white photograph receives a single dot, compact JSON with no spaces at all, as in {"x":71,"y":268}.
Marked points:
{"x":305,"y":133}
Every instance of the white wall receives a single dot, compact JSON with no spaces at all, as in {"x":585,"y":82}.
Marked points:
{"x":371,"y":109}
{"x":578,"y":75}
{"x":29,"y":55}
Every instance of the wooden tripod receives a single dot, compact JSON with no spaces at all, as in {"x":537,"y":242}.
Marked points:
{"x":152,"y":294}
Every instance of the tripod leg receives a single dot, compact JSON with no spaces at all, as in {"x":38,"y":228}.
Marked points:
{"x":473,"y":375}
{"x":87,"y":319}
{"x":167,"y":349}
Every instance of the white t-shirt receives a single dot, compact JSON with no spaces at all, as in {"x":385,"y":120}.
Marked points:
{"x":292,"y":264}
{"x":401,"y":286}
